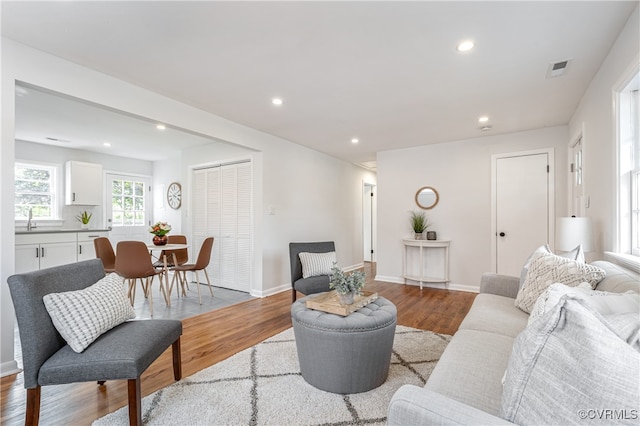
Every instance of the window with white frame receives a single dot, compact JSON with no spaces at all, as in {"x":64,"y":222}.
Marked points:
{"x":629,"y":167}
{"x":35,"y":191}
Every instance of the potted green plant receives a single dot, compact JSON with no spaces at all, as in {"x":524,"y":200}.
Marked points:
{"x":84,"y":217}
{"x":419,"y":223}
{"x":346,"y":285}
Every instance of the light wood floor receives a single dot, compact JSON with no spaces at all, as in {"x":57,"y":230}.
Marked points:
{"x":212,"y":337}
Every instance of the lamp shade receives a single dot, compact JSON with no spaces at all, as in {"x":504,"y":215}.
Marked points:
{"x":572,"y":231}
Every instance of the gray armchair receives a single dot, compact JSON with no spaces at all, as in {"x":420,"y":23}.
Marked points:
{"x":309,"y":285}
{"x":124,"y":352}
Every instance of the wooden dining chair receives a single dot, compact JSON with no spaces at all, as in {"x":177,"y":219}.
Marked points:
{"x":133,"y":262}
{"x":104,"y":252}
{"x":204,"y":257}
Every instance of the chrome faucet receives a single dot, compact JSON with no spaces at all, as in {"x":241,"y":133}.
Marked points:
{"x":29,"y":224}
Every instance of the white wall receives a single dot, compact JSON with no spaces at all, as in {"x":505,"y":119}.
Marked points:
{"x":314,"y":196}
{"x":594,"y":118}
{"x":461,"y":173}
{"x":164,"y":173}
{"x":299,"y":195}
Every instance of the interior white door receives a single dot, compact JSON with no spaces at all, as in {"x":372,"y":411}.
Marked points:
{"x":128,"y":208}
{"x":522,"y":209}
{"x":368,"y":222}
{"x":577,"y":186}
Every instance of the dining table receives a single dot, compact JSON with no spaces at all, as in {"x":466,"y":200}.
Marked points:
{"x":166,"y":248}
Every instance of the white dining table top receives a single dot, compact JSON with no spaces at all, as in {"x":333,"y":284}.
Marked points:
{"x":167,"y":247}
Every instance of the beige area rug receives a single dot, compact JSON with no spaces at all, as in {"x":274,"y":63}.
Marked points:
{"x":262,"y":385}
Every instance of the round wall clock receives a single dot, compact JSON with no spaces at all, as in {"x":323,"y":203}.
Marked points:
{"x":174,"y":195}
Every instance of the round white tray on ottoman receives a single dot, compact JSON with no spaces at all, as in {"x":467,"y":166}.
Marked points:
{"x":345,"y":354}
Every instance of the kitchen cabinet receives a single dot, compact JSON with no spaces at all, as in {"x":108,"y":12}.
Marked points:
{"x":83,"y":183}
{"x":40,"y":251}
{"x":86,"y":249}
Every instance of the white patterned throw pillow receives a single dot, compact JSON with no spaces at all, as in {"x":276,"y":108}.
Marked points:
{"x":316,"y":264}
{"x":575,"y":254}
{"x":546,"y":269}
{"x":82,"y":316}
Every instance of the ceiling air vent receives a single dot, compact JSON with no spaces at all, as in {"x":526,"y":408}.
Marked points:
{"x":556,"y":69}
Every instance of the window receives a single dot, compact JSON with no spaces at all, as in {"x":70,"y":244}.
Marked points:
{"x":629,"y":167}
{"x":127,"y":203}
{"x":35,"y":190}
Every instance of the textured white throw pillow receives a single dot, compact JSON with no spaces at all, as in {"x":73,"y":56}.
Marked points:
{"x":575,"y":254}
{"x":604,"y":302}
{"x":316,"y":264}
{"x":546,"y":269}
{"x":82,"y":316}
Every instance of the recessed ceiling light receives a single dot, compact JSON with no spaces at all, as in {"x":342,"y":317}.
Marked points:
{"x":161,"y":126}
{"x":106,"y":144}
{"x":276,"y":101}
{"x":465,"y":46}
{"x":355,"y":140}
{"x":483,"y":119}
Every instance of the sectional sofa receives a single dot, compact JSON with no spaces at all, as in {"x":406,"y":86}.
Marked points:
{"x":470,"y":384}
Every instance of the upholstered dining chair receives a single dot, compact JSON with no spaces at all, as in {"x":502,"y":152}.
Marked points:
{"x":122,"y":353}
{"x":181,"y":255}
{"x":309,"y":285}
{"x":204,"y":257}
{"x":104,"y":252}
{"x":133,"y":262}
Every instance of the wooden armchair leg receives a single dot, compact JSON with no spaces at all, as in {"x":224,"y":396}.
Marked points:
{"x":177,"y":360}
{"x":135,"y":403}
{"x":32,"y":416}
{"x":101,"y":382}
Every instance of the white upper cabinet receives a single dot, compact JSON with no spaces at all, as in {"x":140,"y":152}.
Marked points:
{"x":83,"y":183}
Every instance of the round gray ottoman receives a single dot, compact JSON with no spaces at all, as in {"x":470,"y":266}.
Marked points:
{"x":345,"y":354}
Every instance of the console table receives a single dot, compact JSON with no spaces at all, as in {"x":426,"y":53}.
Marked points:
{"x":423,"y":246}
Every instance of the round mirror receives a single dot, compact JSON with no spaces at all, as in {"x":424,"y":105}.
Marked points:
{"x":427,"y":197}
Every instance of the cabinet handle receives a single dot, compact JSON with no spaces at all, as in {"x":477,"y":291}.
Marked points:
{"x":80,"y":248}
{"x":42,"y":251}
{"x":74,"y":196}
{"x":37,"y":252}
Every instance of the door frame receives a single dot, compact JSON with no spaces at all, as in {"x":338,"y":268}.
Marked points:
{"x":369,"y":209}
{"x":107,"y":197}
{"x":494,"y":200}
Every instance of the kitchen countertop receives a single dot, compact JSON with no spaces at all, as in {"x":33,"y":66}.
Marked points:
{"x":58,"y":230}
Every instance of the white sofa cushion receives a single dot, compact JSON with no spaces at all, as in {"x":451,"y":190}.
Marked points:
{"x":569,"y":364}
{"x":604,"y":302}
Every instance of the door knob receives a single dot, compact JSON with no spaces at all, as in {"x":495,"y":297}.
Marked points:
{"x":502,"y":234}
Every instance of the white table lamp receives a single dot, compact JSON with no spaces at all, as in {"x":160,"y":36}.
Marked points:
{"x":571,"y":231}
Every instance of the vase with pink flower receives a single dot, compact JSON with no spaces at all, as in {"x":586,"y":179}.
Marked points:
{"x":160,"y":231}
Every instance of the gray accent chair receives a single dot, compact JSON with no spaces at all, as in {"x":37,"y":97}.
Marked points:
{"x":124,"y":352}
{"x":309,"y":285}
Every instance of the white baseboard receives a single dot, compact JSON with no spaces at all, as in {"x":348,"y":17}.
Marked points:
{"x":353,"y":267}
{"x":449,"y":286}
{"x":271,"y":291}
{"x":9,"y":368}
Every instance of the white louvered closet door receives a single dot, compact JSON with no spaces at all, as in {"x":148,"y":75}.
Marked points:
{"x":222,"y":209}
